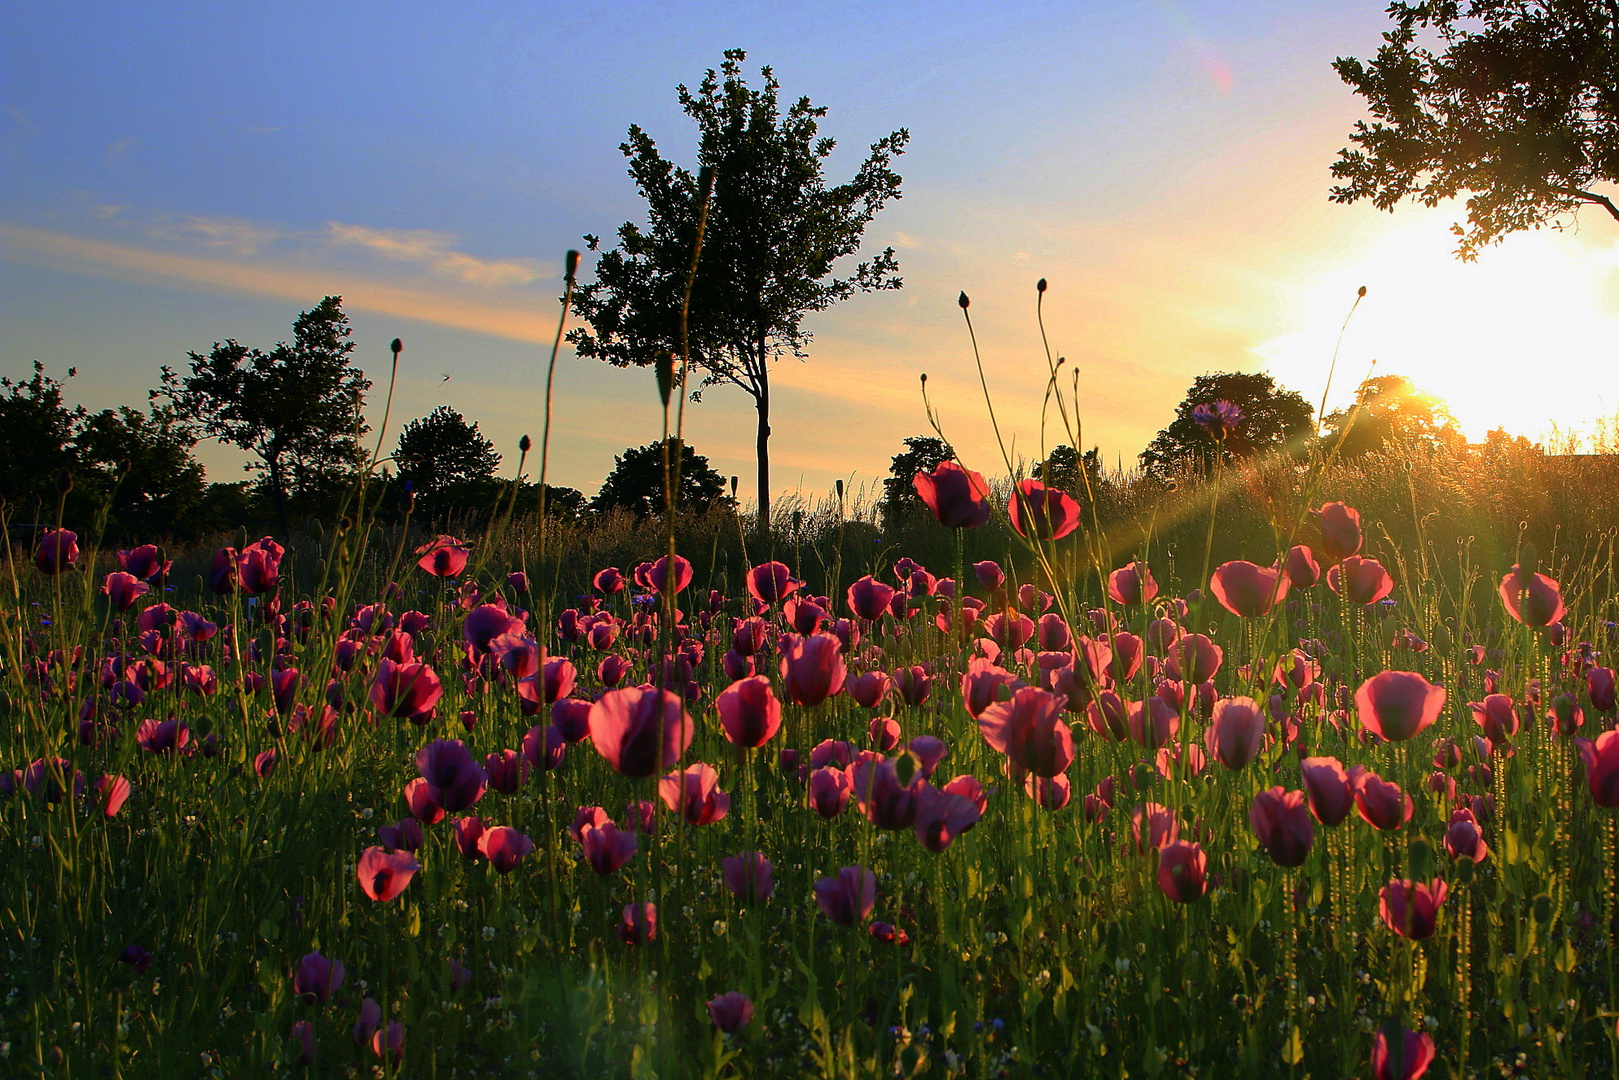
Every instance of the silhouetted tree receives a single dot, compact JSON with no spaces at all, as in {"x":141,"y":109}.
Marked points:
{"x":636,"y":482}
{"x":1272,"y":419}
{"x":297,"y":407}
{"x":1062,"y":469}
{"x":441,"y":452}
{"x":1391,"y":411}
{"x":36,"y":443}
{"x":774,"y":231}
{"x":138,"y":466}
{"x":1520,"y":112}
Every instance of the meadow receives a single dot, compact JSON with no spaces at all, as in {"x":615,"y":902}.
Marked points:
{"x":1296,"y":770}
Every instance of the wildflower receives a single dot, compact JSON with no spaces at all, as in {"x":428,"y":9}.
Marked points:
{"x":693,"y":795}
{"x":504,"y":848}
{"x":1339,"y":525}
{"x":1181,"y":871}
{"x":1218,"y":418}
{"x":1601,"y":757}
{"x":1282,"y":824}
{"x":1236,"y":731}
{"x":750,"y":715}
{"x":1532,"y":599}
{"x":444,"y":556}
{"x":748,"y":876}
{"x":956,"y":495}
{"x":1248,"y":590}
{"x":625,"y":730}
{"x":1030,"y":731}
{"x":317,"y":978}
{"x":1398,"y":1054}
{"x":848,"y":898}
{"x":384,"y":874}
{"x":731,"y":1011}
{"x":1398,"y":704}
{"x":1411,"y":908}
{"x":1360,"y":581}
{"x":812,"y":667}
{"x":1051,"y":514}
{"x":58,"y":551}
{"x":770,"y":582}
{"x":1132,"y":584}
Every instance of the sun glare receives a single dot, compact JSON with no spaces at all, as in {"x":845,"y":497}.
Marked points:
{"x":1525,"y":339}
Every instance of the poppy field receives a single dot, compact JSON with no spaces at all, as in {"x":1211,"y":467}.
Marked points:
{"x":392,"y":812}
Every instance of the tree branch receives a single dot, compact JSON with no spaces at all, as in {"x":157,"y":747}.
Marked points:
{"x":1590,"y":197}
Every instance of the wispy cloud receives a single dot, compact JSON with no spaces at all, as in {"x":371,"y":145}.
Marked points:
{"x":123,"y":262}
{"x":229,"y":234}
{"x":433,"y":251}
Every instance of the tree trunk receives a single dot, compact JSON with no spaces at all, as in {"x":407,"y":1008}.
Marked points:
{"x":278,"y":494}
{"x":761,"y":402}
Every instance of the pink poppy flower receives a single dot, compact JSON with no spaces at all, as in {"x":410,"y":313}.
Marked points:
{"x":317,"y":978}
{"x":1051,"y":514}
{"x":1601,"y":757}
{"x":1398,"y":704}
{"x":57,"y":553}
{"x":504,"y":848}
{"x":1532,"y":599}
{"x":941,"y":816}
{"x":731,"y":1011}
{"x":1282,"y":823}
{"x":1132,"y":584}
{"x":606,"y":847}
{"x":1381,"y":802}
{"x":1029,"y":730}
{"x":405,"y":690}
{"x":1360,"y":581}
{"x":770,"y":582}
{"x":1236,"y":731}
{"x":1302,"y":570}
{"x":625,"y":730}
{"x":659,"y":579}
{"x":123,"y":589}
{"x":955,"y":495}
{"x":1248,"y":590}
{"x":1182,"y":871}
{"x":748,"y":877}
{"x":1398,"y":1054}
{"x":259,"y":566}
{"x":384,"y":874}
{"x":1339,"y":525}
{"x":830,"y":789}
{"x":812,"y":667}
{"x":1331,"y":794}
{"x":1411,"y":909}
{"x":444,"y":556}
{"x":848,"y":898}
{"x":694,"y":795}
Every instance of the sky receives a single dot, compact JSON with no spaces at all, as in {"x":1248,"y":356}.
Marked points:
{"x":173,"y":174}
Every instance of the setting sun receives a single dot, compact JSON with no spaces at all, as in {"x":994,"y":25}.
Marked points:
{"x":1524,"y":338}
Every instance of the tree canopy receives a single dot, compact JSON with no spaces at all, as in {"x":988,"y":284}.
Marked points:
{"x":774,"y":233}
{"x":636,"y":482}
{"x":1518,"y":109}
{"x":1272,"y":418}
{"x":440,"y":452}
{"x":296,"y":407}
{"x":1392,"y":412}
{"x":37,"y":429}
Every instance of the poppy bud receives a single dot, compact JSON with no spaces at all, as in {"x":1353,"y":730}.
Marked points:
{"x":397,"y":346}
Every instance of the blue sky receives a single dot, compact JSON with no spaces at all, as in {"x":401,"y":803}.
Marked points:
{"x":174,"y":174}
